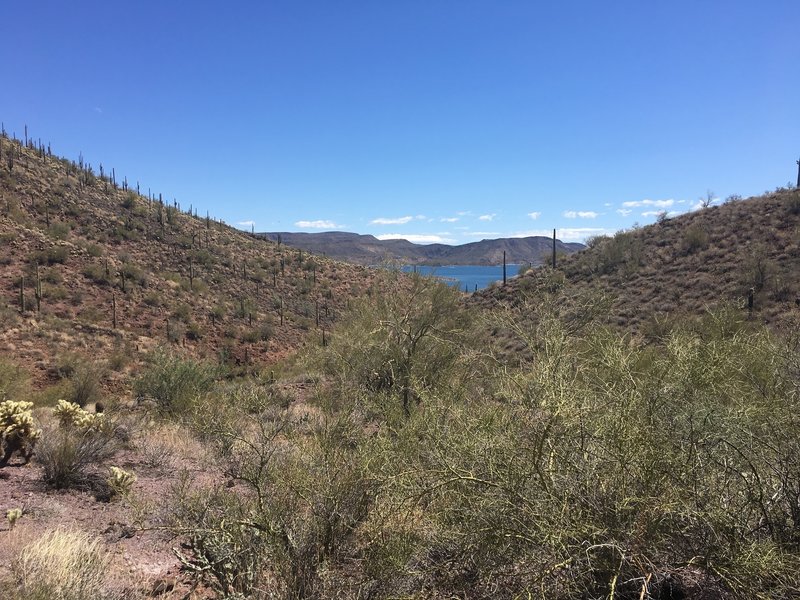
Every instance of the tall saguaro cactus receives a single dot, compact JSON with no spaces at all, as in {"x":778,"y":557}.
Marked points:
{"x":38,"y":291}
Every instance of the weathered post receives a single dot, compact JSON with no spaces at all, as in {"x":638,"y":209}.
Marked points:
{"x":504,"y":268}
{"x":554,"y":248}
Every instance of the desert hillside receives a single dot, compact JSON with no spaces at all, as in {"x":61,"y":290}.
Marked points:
{"x":94,"y":266}
{"x":679,"y":267}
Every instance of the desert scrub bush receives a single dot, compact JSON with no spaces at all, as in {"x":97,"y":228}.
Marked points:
{"x":62,"y":564}
{"x":601,"y":467}
{"x":59,"y":230}
{"x":394,"y":349}
{"x":72,"y":452}
{"x":695,"y":238}
{"x":97,"y":274}
{"x":50,"y":256}
{"x":84,"y":384}
{"x":13,"y":380}
{"x":793,"y":204}
{"x":291,"y":512}
{"x":757,"y":269}
{"x":18,"y":432}
{"x":173,"y":382}
{"x":624,"y":253}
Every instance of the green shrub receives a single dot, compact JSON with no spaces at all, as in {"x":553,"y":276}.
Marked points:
{"x":174,"y":383}
{"x":294,"y":512}
{"x":396,"y":348}
{"x":97,"y":273}
{"x":695,"y":238}
{"x":50,"y":256}
{"x":85,"y":384}
{"x":58,"y":230}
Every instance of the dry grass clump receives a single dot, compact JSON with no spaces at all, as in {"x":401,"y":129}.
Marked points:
{"x":61,"y":565}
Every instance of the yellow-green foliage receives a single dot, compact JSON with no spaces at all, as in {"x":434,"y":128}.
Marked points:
{"x":16,"y":420}
{"x":18,"y":431}
{"x":72,"y":415}
{"x":120,"y":481}
{"x":13,"y":515}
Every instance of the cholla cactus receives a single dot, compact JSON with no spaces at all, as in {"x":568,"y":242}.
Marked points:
{"x":72,"y":415}
{"x":18,"y":432}
{"x":120,"y":481}
{"x":12,"y":516}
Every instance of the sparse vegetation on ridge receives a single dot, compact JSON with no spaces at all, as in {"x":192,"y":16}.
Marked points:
{"x":680,"y":266}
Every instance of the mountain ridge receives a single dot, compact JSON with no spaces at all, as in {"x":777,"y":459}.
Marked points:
{"x":368,"y":249}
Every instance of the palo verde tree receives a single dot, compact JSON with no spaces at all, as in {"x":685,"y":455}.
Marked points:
{"x":397,"y":347}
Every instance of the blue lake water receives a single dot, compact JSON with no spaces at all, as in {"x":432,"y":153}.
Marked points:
{"x":466,"y":275}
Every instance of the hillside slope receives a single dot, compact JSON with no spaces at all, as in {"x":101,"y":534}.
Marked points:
{"x":369,"y":250}
{"x":684,"y":265}
{"x":119,"y":272}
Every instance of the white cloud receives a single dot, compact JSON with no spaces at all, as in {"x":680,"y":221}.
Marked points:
{"x":483,"y":234}
{"x":651,"y":213}
{"x":581,"y":214}
{"x":487,"y":217}
{"x":607,"y":204}
{"x":318,"y":224}
{"x":385,"y":221}
{"x":568,"y":234}
{"x":624,"y":211}
{"x":416,"y":238}
{"x":246,"y":223}
{"x":464,"y":213}
{"x":534,"y":215}
{"x":654,"y":203}
{"x":696,"y":206}
{"x":449,"y":219}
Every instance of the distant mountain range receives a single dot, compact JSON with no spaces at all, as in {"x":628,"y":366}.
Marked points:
{"x":368,"y":250}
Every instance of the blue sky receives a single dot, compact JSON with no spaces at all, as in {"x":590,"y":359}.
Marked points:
{"x":433,"y":120}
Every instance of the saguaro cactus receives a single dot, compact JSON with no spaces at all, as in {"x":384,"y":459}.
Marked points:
{"x":38,"y":290}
